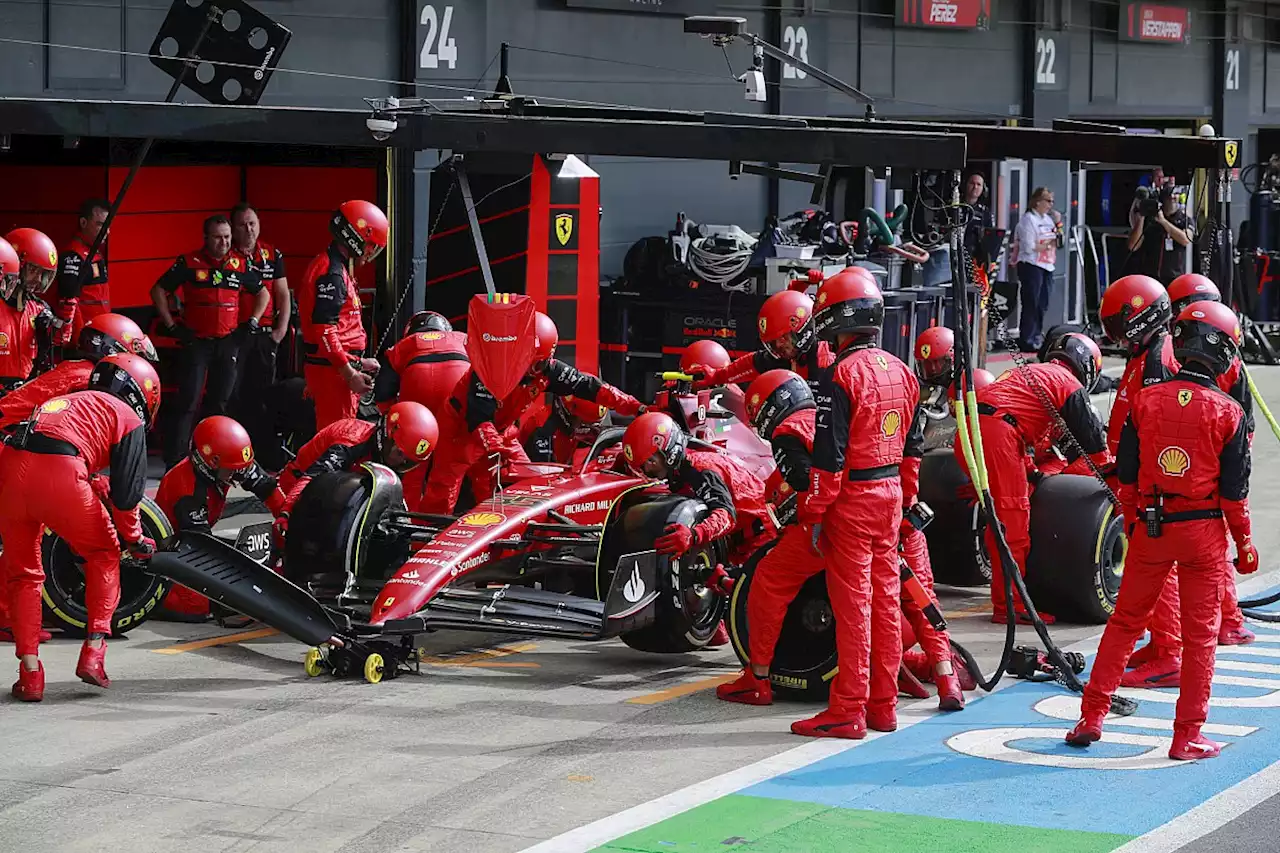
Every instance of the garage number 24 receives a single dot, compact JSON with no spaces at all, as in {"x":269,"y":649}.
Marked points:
{"x":438,"y":46}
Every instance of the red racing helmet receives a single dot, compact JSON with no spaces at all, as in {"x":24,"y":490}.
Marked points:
{"x":132,"y":379}
{"x":1081,"y":355}
{"x":773,"y":396}
{"x":39,"y":258}
{"x":362,"y":227}
{"x":935,"y":355}
{"x":703,"y":357}
{"x":1192,"y":287}
{"x":1207,"y":333}
{"x":849,"y":303}
{"x":548,"y":336}
{"x":654,"y":432}
{"x":1135,"y":308}
{"x":111,"y":333}
{"x":218,"y":444}
{"x":413,"y":429}
{"x":427,"y":321}
{"x":10,"y":268}
{"x":786,"y":324}
{"x":981,"y":379}
{"x":588,"y":412}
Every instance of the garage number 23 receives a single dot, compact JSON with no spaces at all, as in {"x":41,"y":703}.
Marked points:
{"x":438,"y":46}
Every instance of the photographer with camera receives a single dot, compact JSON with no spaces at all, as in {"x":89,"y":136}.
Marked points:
{"x":1158,"y":235}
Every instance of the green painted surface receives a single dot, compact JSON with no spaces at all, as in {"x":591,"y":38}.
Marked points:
{"x":764,"y":825}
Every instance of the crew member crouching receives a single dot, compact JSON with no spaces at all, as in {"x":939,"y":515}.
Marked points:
{"x":193,"y":493}
{"x":45,"y":482}
{"x":1183,"y":469}
{"x":787,"y":339}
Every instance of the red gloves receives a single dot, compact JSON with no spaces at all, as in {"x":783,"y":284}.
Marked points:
{"x":142,"y":549}
{"x":705,"y":378}
{"x":676,"y":539}
{"x":280,"y":529}
{"x":1246,"y":556}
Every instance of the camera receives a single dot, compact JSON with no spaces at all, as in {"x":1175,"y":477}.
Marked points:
{"x":380,"y":127}
{"x":1148,"y":203}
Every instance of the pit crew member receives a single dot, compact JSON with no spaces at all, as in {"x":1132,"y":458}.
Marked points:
{"x":83,"y":291}
{"x":23,"y":316}
{"x":787,"y":339}
{"x":1017,"y":414}
{"x":45,"y":481}
{"x":868,"y":409}
{"x":424,"y":366}
{"x":211,"y":281}
{"x":193,"y":493}
{"x":333,"y":337}
{"x":1183,"y":469}
{"x":568,"y":426}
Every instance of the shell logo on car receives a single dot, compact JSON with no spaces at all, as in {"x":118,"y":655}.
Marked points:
{"x":482,"y":519}
{"x":53,"y":406}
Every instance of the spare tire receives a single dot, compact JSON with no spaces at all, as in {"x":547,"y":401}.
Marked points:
{"x":140,"y":592}
{"x":804,"y":661}
{"x":1077,"y":549}
{"x":955,"y":536}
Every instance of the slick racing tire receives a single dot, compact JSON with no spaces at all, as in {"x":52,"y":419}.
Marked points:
{"x":955,"y":536}
{"x":1077,"y":549}
{"x":687,"y":613}
{"x":804,"y":661}
{"x":140,"y":592}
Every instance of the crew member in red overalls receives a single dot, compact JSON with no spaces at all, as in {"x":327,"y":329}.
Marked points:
{"x":256,"y":376}
{"x":402,"y":439}
{"x":475,"y":424}
{"x":83,"y":292}
{"x":211,"y":281}
{"x":787,"y":339}
{"x":1184,"y":470}
{"x":45,"y":481}
{"x":425,"y":365}
{"x":867,"y":404}
{"x":333,"y":337}
{"x":570,"y":425}
{"x":1015,"y":417}
{"x":193,"y":493}
{"x":23,"y":316}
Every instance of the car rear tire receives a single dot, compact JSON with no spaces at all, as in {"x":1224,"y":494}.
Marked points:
{"x":1077,"y":549}
{"x":140,"y":592}
{"x":805,"y":660}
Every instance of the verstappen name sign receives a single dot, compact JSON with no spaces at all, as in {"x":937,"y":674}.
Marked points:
{"x":1148,"y":22}
{"x":945,"y":14}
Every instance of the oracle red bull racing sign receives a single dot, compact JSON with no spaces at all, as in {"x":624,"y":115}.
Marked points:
{"x":947,"y":14}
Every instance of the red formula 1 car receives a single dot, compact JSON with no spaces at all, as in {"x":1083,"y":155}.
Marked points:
{"x":563,"y":551}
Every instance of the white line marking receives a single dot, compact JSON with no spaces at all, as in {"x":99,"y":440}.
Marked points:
{"x":1068,"y":708}
{"x":1246,"y":666}
{"x":1213,"y":813}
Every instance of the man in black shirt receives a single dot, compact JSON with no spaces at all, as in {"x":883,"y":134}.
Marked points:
{"x":1158,"y":244}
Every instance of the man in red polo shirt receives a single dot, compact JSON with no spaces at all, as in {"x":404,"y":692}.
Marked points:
{"x":260,"y":348}
{"x":211,"y":281}
{"x":83,"y":292}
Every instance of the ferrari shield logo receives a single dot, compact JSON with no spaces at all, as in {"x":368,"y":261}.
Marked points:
{"x":564,"y":227}
{"x":246,"y":453}
{"x":924,"y":350}
{"x":423,"y":446}
{"x":1184,"y":397}
{"x":1230,"y":152}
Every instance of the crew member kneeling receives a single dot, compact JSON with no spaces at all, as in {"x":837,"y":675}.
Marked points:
{"x":867,"y":402}
{"x":1183,"y":468}
{"x":45,"y":482}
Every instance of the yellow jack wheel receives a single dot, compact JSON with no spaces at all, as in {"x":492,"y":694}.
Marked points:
{"x":313,"y":664}
{"x":373,"y":668}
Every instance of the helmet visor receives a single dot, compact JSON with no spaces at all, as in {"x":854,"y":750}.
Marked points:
{"x":935,"y":371}
{"x":784,"y":347}
{"x":36,"y":280}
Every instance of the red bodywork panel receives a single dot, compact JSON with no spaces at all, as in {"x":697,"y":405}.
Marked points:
{"x":501,"y":340}
{"x":465,"y":545}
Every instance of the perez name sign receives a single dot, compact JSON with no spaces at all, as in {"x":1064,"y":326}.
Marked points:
{"x":949,"y":14}
{"x":1159,"y":24}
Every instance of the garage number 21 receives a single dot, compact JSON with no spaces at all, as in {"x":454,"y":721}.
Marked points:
{"x":438,"y":46}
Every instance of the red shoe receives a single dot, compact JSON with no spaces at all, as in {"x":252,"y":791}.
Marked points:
{"x":961,"y":669}
{"x":747,"y":689}
{"x":1193,"y":748}
{"x":828,"y":724}
{"x":882,"y":718}
{"x":1163,"y":672}
{"x":91,"y":668}
{"x":1146,"y":654}
{"x":1001,"y":617}
{"x":30,"y":684}
{"x":720,"y":638}
{"x":1088,"y":730}
{"x":909,"y":684}
{"x":950,"y":697}
{"x":6,"y":635}
{"x":1241,"y":636}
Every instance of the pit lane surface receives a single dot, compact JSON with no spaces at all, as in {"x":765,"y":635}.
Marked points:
{"x":215,"y":740}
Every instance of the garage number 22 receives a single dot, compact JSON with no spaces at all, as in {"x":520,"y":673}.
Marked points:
{"x":438,"y":46}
